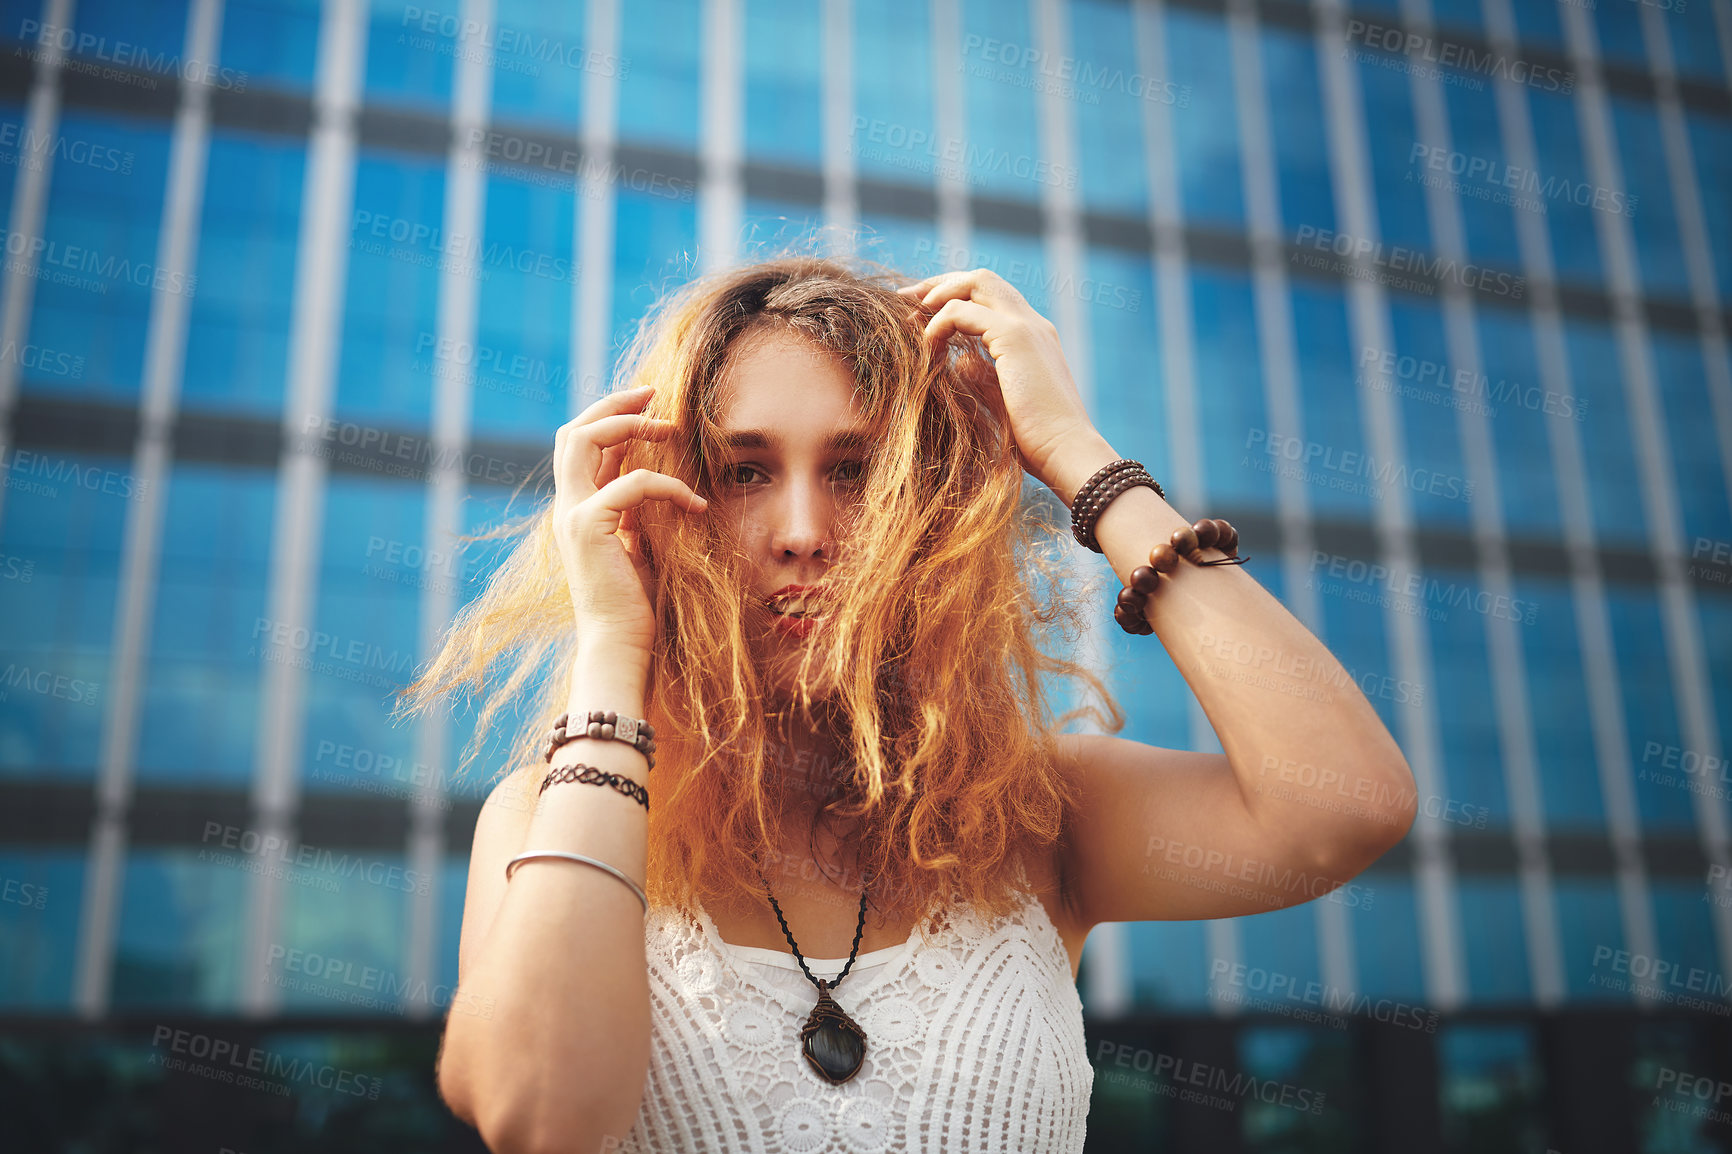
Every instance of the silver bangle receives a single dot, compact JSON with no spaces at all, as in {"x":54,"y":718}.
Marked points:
{"x":577,"y":857}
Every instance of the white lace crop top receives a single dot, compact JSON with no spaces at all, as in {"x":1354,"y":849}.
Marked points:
{"x":974,"y":1042}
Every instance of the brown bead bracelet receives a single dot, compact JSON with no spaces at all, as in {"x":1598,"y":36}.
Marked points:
{"x":1099,"y":491}
{"x":606,"y":724}
{"x":1185,"y":542}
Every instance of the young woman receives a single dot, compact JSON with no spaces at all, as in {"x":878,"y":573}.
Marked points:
{"x":797,"y":550}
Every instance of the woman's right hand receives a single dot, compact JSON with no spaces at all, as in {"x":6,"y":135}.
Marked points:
{"x":595,"y":519}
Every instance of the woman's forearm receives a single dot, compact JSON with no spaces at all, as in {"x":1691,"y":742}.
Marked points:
{"x":1292,"y":722}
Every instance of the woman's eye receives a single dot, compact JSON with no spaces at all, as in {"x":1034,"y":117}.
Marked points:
{"x":734,"y":472}
{"x":852,"y":471}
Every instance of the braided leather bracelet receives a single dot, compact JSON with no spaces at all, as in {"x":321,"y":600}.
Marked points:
{"x":590,"y":775}
{"x":1100,"y":490}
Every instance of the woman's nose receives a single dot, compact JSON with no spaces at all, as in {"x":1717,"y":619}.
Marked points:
{"x":804,"y":528}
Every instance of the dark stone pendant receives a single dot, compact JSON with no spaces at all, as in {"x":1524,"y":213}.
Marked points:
{"x":833,"y":1042}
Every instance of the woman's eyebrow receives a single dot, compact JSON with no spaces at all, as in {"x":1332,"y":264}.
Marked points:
{"x":859,"y":440}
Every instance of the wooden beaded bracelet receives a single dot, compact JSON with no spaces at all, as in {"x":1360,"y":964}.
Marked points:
{"x":1099,"y":491}
{"x":608,"y":725}
{"x":1185,"y":542}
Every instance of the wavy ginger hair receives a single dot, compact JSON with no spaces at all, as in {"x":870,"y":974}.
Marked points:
{"x":937,"y":608}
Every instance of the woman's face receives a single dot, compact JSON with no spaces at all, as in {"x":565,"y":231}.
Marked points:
{"x":790,"y":465}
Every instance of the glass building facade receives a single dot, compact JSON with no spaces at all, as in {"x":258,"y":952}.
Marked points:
{"x":1428,"y":298}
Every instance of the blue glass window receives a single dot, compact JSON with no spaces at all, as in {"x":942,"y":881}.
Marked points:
{"x":1001,"y":151}
{"x":200,"y":711}
{"x":1650,"y":708}
{"x":182,"y":928}
{"x":271,"y":43}
{"x":1473,"y":770}
{"x":1283,"y":943}
{"x":654,"y":248}
{"x":1569,"y":194}
{"x":1169,"y":963}
{"x":144,"y":36}
{"x":659,"y":76}
{"x":237,"y":351}
{"x":903,"y":244}
{"x":1107,"y":113}
{"x":1714,"y":617}
{"x":1653,"y":217}
{"x":1431,"y":470}
{"x":1518,"y":406}
{"x":1684,"y":936}
{"x":1229,"y":389}
{"x":784,"y":53}
{"x":1698,"y":473}
{"x":1129,"y":393}
{"x":40,"y":896}
{"x":365,"y":643}
{"x":96,"y":274}
{"x":1591,"y":927}
{"x":410,"y":50}
{"x":64,"y":518}
{"x":1494,"y":940}
{"x":1711,"y":152}
{"x":541,"y":62}
{"x":520,"y":363}
{"x":1329,"y":398}
{"x":1206,"y":131}
{"x":397,"y":244}
{"x":1619,"y":29}
{"x":1387,"y":97}
{"x":1608,"y":453}
{"x":1297,"y":128}
{"x":1491,"y":1091}
{"x":1387,"y":945}
{"x":1476,"y":168}
{"x":1564,"y":748}
{"x":893,"y":137}
{"x":343,"y":943}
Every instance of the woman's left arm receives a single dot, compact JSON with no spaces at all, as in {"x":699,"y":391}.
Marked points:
{"x":1311,"y":789}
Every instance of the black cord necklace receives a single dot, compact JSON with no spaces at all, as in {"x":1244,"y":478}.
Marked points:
{"x":832,"y":1042}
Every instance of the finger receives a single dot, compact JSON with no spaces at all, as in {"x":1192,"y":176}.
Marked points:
{"x":576,"y":475}
{"x":610,"y":502}
{"x":965,"y":316}
{"x":980,"y":284}
{"x":610,"y":464}
{"x":623,"y":401}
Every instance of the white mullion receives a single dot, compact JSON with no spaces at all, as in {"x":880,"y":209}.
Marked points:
{"x":597,"y":216}
{"x":1278,"y":354}
{"x":1701,"y":727}
{"x":1503,"y":648}
{"x":841,"y":205}
{"x":1676,"y":597}
{"x":315,"y":327}
{"x":1587,"y":587}
{"x":465,"y":214}
{"x":1109,"y":985}
{"x":29,"y":211}
{"x":721,"y":143}
{"x":1178,"y":368}
{"x":141,"y":543}
{"x":950,"y":123}
{"x":1368,"y":319}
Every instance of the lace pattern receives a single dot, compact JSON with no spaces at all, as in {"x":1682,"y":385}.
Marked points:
{"x":974,"y":1042}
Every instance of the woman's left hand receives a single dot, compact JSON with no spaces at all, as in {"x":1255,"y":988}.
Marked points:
{"x":1048,"y":419}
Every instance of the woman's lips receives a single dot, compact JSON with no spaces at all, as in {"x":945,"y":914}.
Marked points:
{"x":792,"y":626}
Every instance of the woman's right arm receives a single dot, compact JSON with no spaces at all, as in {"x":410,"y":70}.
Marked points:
{"x":548,"y":1046}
